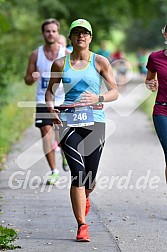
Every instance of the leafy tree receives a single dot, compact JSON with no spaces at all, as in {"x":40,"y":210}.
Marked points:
{"x":15,"y":40}
{"x":145,"y":31}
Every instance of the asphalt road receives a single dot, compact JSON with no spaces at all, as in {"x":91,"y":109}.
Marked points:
{"x":128,"y":210}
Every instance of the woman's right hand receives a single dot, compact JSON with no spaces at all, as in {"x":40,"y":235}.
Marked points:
{"x":54,"y":114}
{"x":152,"y":85}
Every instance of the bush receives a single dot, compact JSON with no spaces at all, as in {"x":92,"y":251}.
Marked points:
{"x":7,"y":236}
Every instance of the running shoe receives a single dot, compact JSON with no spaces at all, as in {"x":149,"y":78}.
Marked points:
{"x":64,"y":162}
{"x":87,"y":206}
{"x":53,"y":179}
{"x":83,"y":234}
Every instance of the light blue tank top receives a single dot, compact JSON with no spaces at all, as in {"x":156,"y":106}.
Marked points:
{"x":76,"y":82}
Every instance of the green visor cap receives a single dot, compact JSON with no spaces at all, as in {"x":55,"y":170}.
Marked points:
{"x":81,"y":23}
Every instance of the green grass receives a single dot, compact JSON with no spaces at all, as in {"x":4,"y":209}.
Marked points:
{"x":7,"y":237}
{"x":14,"y":120}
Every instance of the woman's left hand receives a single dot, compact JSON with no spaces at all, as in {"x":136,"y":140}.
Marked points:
{"x":88,"y":97}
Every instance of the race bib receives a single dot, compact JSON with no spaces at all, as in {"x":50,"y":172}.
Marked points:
{"x":83,"y":116}
{"x":45,"y":82}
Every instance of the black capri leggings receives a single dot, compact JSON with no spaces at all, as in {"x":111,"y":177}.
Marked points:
{"x":83,"y":147}
{"x":160,"y":123}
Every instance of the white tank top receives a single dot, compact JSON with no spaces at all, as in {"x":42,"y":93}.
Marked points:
{"x":44,"y":67}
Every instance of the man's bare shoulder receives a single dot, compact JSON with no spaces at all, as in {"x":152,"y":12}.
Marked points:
{"x":34,"y":55}
{"x":67,"y":51}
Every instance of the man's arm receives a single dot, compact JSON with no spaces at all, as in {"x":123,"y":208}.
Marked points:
{"x":55,"y":79}
{"x":32,"y":74}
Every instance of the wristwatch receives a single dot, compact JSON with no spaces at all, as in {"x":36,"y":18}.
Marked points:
{"x":101,"y":98}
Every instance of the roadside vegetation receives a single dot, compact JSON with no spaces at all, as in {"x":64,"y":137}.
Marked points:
{"x":14,"y":120}
{"x":7,"y":237}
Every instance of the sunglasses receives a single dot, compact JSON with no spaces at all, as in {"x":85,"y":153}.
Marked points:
{"x":85,"y":33}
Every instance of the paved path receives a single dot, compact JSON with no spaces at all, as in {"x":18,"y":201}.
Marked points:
{"x":128,"y":206}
